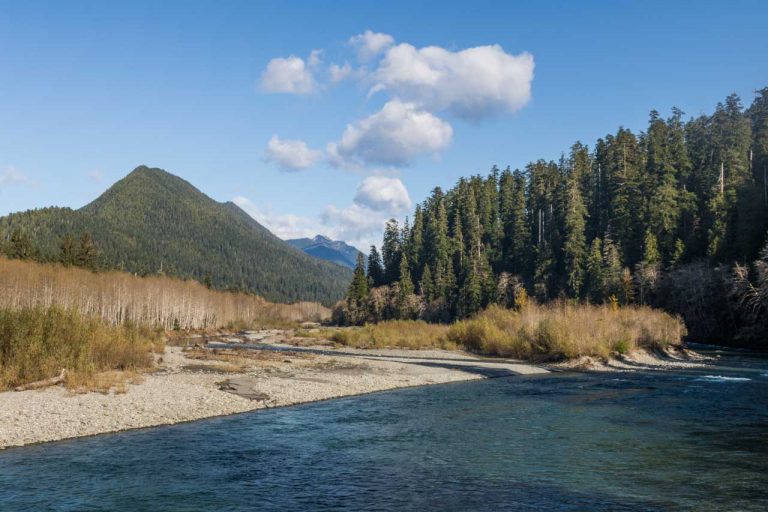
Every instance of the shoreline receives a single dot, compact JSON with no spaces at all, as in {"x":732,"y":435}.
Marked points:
{"x":188,"y":385}
{"x":194,"y":383}
{"x":226,"y":415}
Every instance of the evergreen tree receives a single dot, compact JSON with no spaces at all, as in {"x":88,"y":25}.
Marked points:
{"x":437,"y":252}
{"x":20,"y":246}
{"x":391,"y":250}
{"x":513,"y":217}
{"x":662,"y":185}
{"x":427,"y":285}
{"x":68,"y":250}
{"x":575,"y":246}
{"x":754,"y":205}
{"x":595,"y":284}
{"x":375,"y":268}
{"x":729,"y":170}
{"x":651,"y":254}
{"x":87,"y":254}
{"x":406,"y":283}
{"x":358,"y":288}
{"x":612,"y":270}
{"x":625,"y":191}
{"x":415,"y":244}
{"x":647,"y":270}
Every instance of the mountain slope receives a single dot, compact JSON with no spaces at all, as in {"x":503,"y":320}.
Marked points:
{"x":326,"y":249}
{"x":152,"y":221}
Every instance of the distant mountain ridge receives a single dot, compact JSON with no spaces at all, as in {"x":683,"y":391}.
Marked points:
{"x":152,"y":221}
{"x":324,"y":248}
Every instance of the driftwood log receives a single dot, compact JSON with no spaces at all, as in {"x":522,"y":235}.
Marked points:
{"x":43,"y":383}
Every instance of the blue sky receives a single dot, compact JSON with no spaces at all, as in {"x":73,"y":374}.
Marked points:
{"x":90,"y":90}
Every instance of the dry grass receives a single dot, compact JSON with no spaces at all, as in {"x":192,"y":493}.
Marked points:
{"x":553,"y":332}
{"x":103,"y":382}
{"x":410,"y":334}
{"x":564,"y":331}
{"x":37,"y":343}
{"x":241,"y":357}
{"x":119,"y":297}
{"x":221,"y":361}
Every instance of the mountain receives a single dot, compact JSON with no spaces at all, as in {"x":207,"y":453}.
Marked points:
{"x":152,"y":221}
{"x":326,"y":249}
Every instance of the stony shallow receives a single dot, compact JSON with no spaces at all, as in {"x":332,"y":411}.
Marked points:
{"x":184,"y":389}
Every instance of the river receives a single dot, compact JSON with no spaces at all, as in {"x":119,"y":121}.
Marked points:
{"x":677,"y":440}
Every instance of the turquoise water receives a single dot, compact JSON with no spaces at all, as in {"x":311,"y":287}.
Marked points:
{"x":694,"y":440}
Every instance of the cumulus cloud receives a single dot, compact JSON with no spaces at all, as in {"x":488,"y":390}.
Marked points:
{"x":393,"y":136}
{"x":315,"y":58}
{"x":290,"y":155}
{"x":361,"y":224}
{"x":284,"y":225}
{"x":338,"y":73}
{"x":383,"y":194}
{"x":471,"y":83}
{"x":290,"y":75}
{"x":11,"y":176}
{"x":355,"y":224}
{"x":369,"y":44}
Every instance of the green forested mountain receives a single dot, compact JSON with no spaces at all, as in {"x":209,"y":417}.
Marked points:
{"x":153,"y":222}
{"x":675,"y":216}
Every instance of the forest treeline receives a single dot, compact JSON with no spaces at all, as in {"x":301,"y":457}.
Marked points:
{"x":119,"y":298}
{"x":154,"y":223}
{"x":674,"y":217}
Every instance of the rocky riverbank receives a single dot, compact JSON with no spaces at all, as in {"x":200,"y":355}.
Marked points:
{"x":195,"y":382}
{"x":234,"y":374}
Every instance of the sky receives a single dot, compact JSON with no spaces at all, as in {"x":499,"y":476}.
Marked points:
{"x":331,"y":117}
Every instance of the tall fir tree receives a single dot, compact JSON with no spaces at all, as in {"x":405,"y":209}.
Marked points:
{"x":391,"y":251}
{"x":358,"y":288}
{"x":575,"y":246}
{"x":375,"y":268}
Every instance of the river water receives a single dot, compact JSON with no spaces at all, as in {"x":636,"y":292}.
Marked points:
{"x":682,"y":440}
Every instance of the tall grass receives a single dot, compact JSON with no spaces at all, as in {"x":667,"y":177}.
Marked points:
{"x":37,"y":343}
{"x":411,"y":334}
{"x":565,"y":331}
{"x":552,"y":332}
{"x":119,"y":297}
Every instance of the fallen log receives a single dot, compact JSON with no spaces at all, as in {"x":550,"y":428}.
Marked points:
{"x":43,"y":383}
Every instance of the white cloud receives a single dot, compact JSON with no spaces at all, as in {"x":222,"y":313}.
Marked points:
{"x":338,"y":73}
{"x":96,"y":176}
{"x":289,"y":75}
{"x":284,"y":225}
{"x":314,"y":60}
{"x":369,"y":44}
{"x":471,"y":83}
{"x":393,"y":136}
{"x":11,"y":176}
{"x":361,"y":224}
{"x":383,"y":194}
{"x":290,"y":155}
{"x":355,"y":224}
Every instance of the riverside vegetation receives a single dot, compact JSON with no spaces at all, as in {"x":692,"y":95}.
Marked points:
{"x":102,"y":328}
{"x":37,"y":343}
{"x":552,"y":332}
{"x":675,"y":217}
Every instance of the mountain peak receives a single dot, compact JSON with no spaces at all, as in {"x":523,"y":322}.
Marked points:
{"x":324,"y":248}
{"x":152,"y":220}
